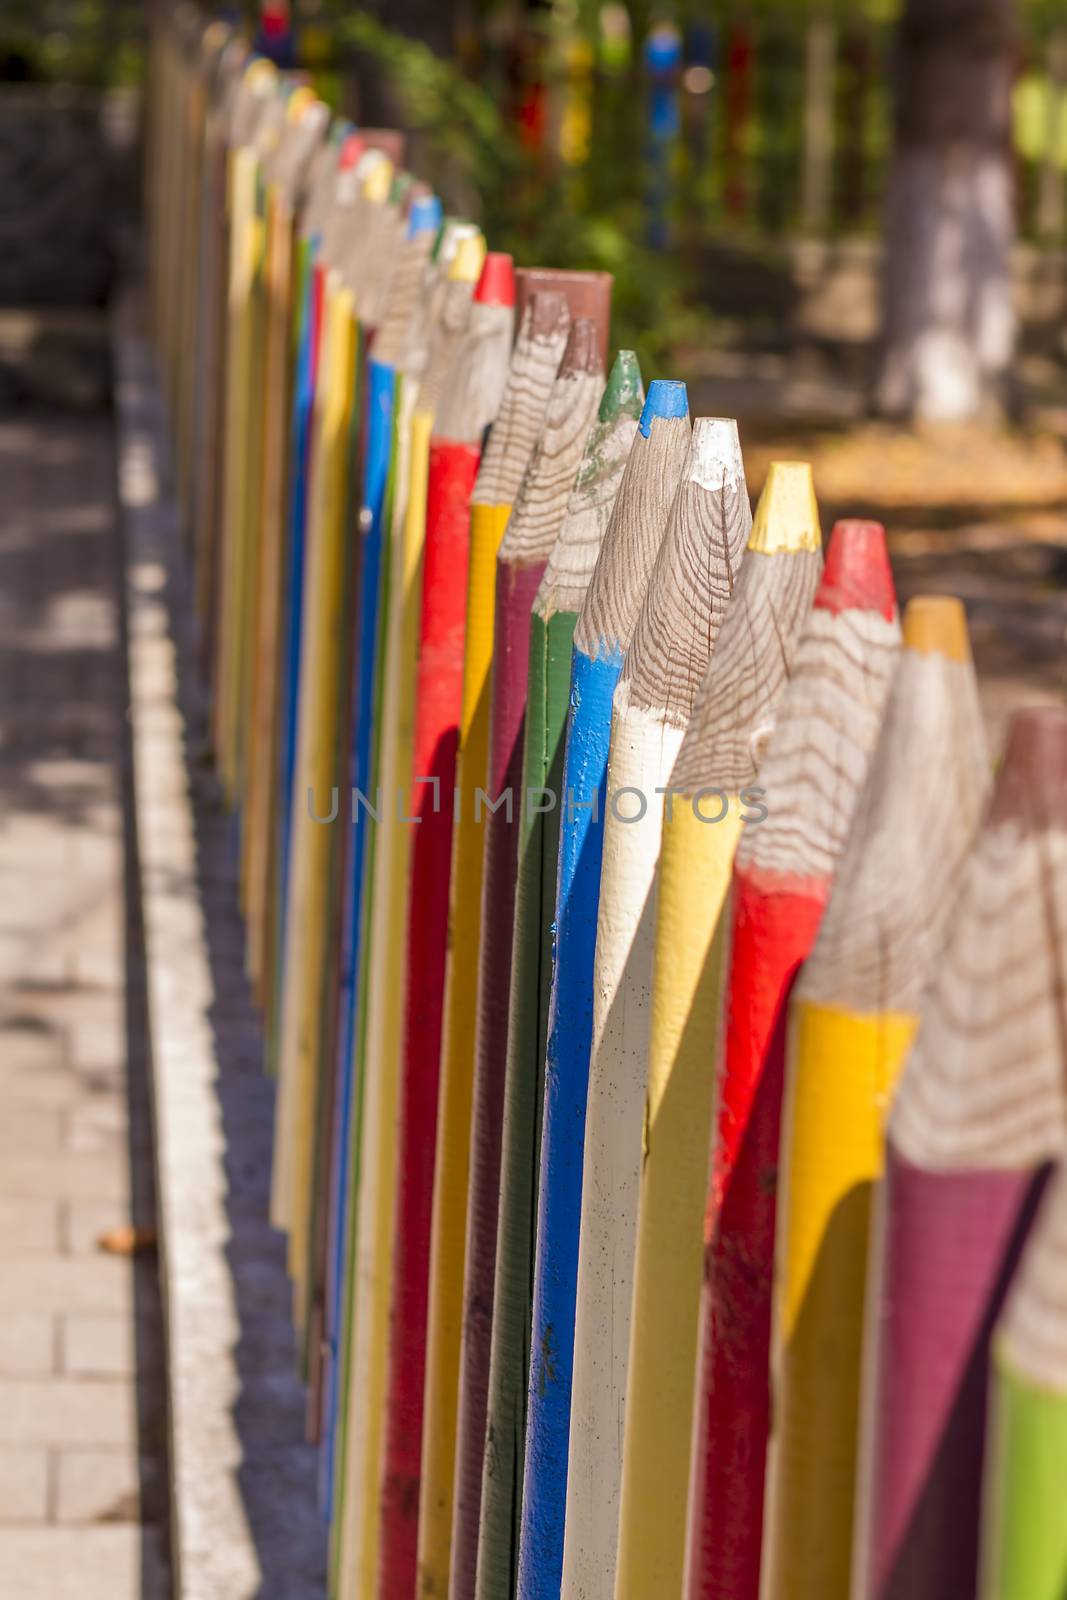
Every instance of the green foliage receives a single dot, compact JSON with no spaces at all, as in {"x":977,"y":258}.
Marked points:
{"x":544,"y":216}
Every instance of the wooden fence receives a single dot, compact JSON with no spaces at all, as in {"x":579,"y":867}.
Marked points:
{"x":668,"y":1028}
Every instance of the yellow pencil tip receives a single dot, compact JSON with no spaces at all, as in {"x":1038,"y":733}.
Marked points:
{"x":936,"y":624}
{"x":467,"y":262}
{"x":379,"y":181}
{"x":787,"y":517}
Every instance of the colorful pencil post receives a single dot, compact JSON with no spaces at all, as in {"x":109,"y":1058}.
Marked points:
{"x":355,"y":1547}
{"x":603,"y":635}
{"x":542,"y":665}
{"x":707,"y":802}
{"x":1024,"y":1544}
{"x":288,"y":178}
{"x":544,"y":323}
{"x":810,"y":777}
{"x":312,"y":921}
{"x":368,"y":799}
{"x":467,"y":408}
{"x":558,"y":604}
{"x":675,"y":632}
{"x":980,"y":1113}
{"x":852,"y":1020}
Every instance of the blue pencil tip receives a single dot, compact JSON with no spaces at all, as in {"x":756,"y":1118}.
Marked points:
{"x":666,"y":398}
{"x":425,"y":215}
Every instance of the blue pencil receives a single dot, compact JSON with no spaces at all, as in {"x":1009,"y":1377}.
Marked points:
{"x":601,"y":637}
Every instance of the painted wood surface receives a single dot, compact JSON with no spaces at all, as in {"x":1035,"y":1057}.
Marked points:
{"x":369,"y":616}
{"x":810,"y":777}
{"x":980,"y":1113}
{"x":468,"y":406}
{"x":703,"y":815}
{"x":852,"y":1020}
{"x":582,"y":788}
{"x":602,"y":636}
{"x":542,"y":338}
{"x":674,"y":635}
{"x":308,"y":118}
{"x":1024,"y":1534}
{"x":532,"y":532}
{"x":355,"y":1546}
{"x":314,"y":770}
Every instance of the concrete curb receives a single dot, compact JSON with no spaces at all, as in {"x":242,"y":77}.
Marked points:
{"x":244,"y":1522}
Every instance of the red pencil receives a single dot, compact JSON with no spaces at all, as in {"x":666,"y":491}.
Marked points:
{"x":814,"y":765}
{"x":467,"y":408}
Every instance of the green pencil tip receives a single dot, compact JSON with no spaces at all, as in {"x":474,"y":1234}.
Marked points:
{"x":625,"y":393}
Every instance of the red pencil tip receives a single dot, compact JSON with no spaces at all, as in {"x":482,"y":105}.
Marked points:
{"x":496,"y":286}
{"x":857,"y":575}
{"x":351,"y":151}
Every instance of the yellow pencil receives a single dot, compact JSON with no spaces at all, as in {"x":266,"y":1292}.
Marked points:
{"x":852,"y":1020}
{"x":703,"y":816}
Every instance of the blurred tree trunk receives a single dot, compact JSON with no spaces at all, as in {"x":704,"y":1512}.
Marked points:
{"x":949,"y":325}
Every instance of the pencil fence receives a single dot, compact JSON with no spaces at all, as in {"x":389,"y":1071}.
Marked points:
{"x":670,"y":1036}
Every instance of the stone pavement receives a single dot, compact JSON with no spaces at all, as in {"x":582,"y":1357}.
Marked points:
{"x":83,"y":1502}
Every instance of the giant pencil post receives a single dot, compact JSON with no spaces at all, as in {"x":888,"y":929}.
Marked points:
{"x":811,"y":774}
{"x":641,"y":752}
{"x":1025,"y":1534}
{"x":674,"y":635}
{"x":466,"y":409}
{"x":289,"y":176}
{"x":558,"y":605}
{"x":539,"y":346}
{"x":398,"y":311}
{"x":706,"y":804}
{"x":365,"y":1351}
{"x":316,"y":778}
{"x":980,"y":1114}
{"x":852,"y":1019}
{"x":541,"y":674}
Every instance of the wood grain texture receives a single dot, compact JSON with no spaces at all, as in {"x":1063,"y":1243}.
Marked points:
{"x":366,"y":1344}
{"x":810,"y":778}
{"x":1024,"y":1535}
{"x":532,"y":533}
{"x":668,"y":1154}
{"x":591,"y":683}
{"x":852,"y":1020}
{"x":980,"y":1112}
{"x":478,"y":382}
{"x":542,"y":339}
{"x":535,"y":359}
{"x":617,"y":592}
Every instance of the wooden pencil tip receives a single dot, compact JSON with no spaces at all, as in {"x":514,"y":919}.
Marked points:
{"x":496,"y":286}
{"x":715,"y":454}
{"x":625,"y":392}
{"x":583,"y":348}
{"x":1031,"y":787}
{"x":467,"y":262}
{"x":666,"y":398}
{"x":424,"y":216}
{"x":787,"y":517}
{"x":936,"y":624}
{"x":857,"y":575}
{"x":376,"y":175}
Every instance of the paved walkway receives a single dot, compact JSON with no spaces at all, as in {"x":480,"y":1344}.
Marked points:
{"x":82,"y":1447}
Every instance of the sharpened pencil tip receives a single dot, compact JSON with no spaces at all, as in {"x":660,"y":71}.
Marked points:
{"x":496,"y":286}
{"x":787,"y":517}
{"x":857,"y":575}
{"x":936,"y":624}
{"x":666,"y":398}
